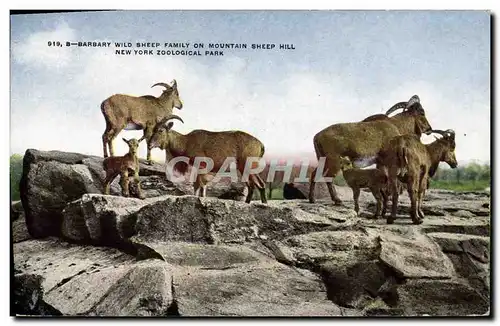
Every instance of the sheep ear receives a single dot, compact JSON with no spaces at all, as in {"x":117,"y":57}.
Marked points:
{"x":170,"y":125}
{"x":125,"y":140}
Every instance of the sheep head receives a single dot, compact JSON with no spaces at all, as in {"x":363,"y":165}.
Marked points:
{"x":448,"y":141}
{"x":345,"y":163}
{"x":171,"y":92}
{"x":161,"y":130}
{"x":412,"y":105}
{"x":133,"y":144}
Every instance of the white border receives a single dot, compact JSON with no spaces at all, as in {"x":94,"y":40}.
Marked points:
{"x":185,"y":4}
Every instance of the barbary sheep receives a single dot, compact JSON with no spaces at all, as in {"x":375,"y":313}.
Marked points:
{"x":115,"y":165}
{"x":407,"y":153}
{"x":137,"y":113}
{"x":373,"y":179}
{"x":361,"y":141}
{"x":218,"y":146}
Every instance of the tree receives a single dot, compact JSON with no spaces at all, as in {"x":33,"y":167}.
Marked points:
{"x":16,"y":171}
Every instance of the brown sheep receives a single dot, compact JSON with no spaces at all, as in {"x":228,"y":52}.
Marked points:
{"x":217,"y":146}
{"x":407,"y":153}
{"x":137,"y":113}
{"x":361,"y":141}
{"x":356,"y":179}
{"x":115,"y":165}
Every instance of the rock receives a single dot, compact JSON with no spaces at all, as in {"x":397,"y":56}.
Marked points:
{"x":28,"y":297}
{"x":101,"y":219}
{"x":76,"y":280}
{"x":211,"y":220}
{"x":225,"y":189}
{"x":440,"y":298}
{"x":205,"y":256}
{"x":146,"y":290}
{"x":46,"y":187}
{"x":251,"y":291}
{"x":413,"y":255}
{"x":464,"y":214}
{"x":19,"y":230}
{"x":320,"y":192}
{"x":52,"y":179}
{"x":291,"y":192}
{"x":16,"y":209}
{"x":353,"y":285}
{"x":470,"y":256}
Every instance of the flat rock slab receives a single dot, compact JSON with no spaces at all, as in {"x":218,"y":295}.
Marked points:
{"x":414,"y":255}
{"x":77,"y":280}
{"x":313,"y":248}
{"x":211,"y":220}
{"x":440,"y":298}
{"x":264,"y":290}
{"x":100,"y":219}
{"x":476,"y":246}
{"x":205,"y":256}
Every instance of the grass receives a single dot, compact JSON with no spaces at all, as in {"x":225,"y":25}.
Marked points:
{"x":462,"y":186}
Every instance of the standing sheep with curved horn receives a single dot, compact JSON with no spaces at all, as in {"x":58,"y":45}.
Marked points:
{"x":137,"y":113}
{"x":361,"y":141}
{"x":216,"y":145}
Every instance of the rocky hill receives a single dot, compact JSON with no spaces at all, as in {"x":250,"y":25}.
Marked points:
{"x":78,"y":252}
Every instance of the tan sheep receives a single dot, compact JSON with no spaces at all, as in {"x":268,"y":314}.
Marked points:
{"x":115,"y":165}
{"x":361,"y":141}
{"x":419,"y":161}
{"x":373,"y":179}
{"x":217,"y":146}
{"x":137,"y":113}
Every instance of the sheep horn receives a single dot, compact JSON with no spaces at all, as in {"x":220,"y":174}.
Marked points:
{"x":167,"y":86}
{"x":414,"y":99}
{"x":174,"y":83}
{"x":397,"y":106}
{"x":172,"y":116}
{"x":441,"y":132}
{"x":451,"y":133}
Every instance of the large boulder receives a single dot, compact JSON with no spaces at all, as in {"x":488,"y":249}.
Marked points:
{"x":75,"y":280}
{"x":52,"y":179}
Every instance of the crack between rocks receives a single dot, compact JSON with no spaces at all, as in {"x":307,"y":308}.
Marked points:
{"x":66,"y":280}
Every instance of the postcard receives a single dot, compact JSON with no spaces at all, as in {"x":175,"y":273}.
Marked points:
{"x":250,"y":163}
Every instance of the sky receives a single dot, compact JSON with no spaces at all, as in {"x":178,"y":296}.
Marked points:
{"x":346,"y":65}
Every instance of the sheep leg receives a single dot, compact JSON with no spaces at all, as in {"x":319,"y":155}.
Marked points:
{"x":312,"y":187}
{"x":393,"y":186}
{"x":124,"y":183}
{"x":111,"y":136}
{"x":197,"y":187}
{"x":105,"y":141}
{"x":107,"y":182}
{"x":385,"y":197}
{"x":355,"y":196}
{"x":148,"y":134}
{"x":421,"y":194}
{"x":377,"y":193}
{"x":413,"y":192}
{"x":333,"y":193}
{"x":137,"y":181}
{"x":261,"y":185}
{"x":250,"y":186}
{"x":270,"y":192}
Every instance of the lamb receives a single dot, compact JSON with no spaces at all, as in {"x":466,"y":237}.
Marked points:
{"x":137,"y":113}
{"x":115,"y":165}
{"x":217,"y":146}
{"x":374,"y":179}
{"x":420,"y":161}
{"x":361,"y":141}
